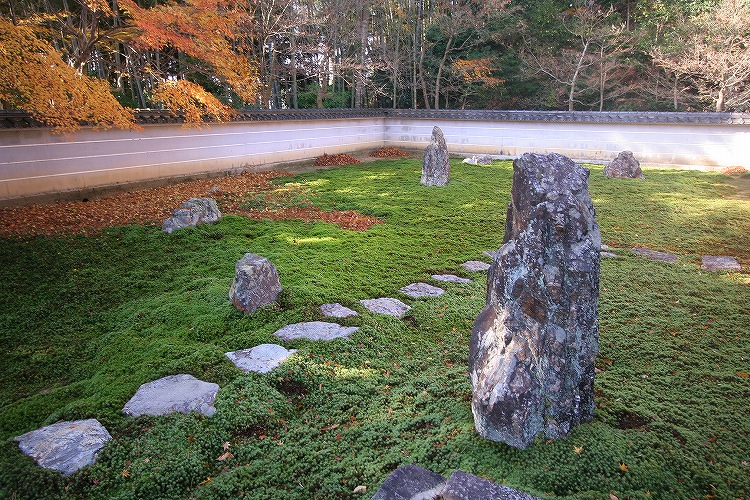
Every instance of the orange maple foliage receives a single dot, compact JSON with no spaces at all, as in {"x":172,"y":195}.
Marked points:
{"x":205,"y":30}
{"x":192,"y":100}
{"x":33,"y":77}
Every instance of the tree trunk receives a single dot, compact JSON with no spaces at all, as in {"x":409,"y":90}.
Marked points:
{"x":293,"y":91}
{"x":440,"y":71}
{"x":720,"y":100}
{"x":574,"y":79}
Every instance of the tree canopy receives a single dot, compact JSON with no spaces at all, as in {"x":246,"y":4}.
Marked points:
{"x":72,"y":61}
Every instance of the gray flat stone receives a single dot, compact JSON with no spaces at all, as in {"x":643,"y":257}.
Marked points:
{"x":490,"y":253}
{"x":475,"y":265}
{"x":605,"y":248}
{"x":655,"y":255}
{"x":463,"y":486}
{"x":410,"y":482}
{"x":418,"y":290}
{"x":450,"y":278}
{"x":386,"y":305}
{"x":65,"y":446}
{"x":720,"y":263}
{"x":608,"y":255}
{"x":175,"y":393}
{"x":261,"y":358}
{"x":337,"y":311}
{"x":314,"y":330}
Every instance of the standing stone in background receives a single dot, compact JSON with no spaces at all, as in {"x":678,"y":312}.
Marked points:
{"x":193,"y":212}
{"x":625,"y":165}
{"x":533,"y":346}
{"x":256,"y":283}
{"x":436,"y":168}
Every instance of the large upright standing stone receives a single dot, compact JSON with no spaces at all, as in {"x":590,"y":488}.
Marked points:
{"x":533,"y":346}
{"x":256,"y":283}
{"x":436,"y":168}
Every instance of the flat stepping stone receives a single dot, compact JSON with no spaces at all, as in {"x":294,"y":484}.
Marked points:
{"x":490,"y":253}
{"x":715,"y":263}
{"x":450,"y":278}
{"x":337,"y":311}
{"x":655,"y":255}
{"x":414,"y":482}
{"x":475,"y":265}
{"x":315,"y":330}
{"x":464,"y":486}
{"x":608,"y":255}
{"x":386,"y":305}
{"x":175,"y":393}
{"x":418,"y":290}
{"x":261,"y":358}
{"x":410,"y":481}
{"x":65,"y":446}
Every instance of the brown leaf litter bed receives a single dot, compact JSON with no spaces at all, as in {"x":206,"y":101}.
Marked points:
{"x":253,"y":195}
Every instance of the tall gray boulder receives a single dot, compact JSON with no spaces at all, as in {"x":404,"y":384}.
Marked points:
{"x":193,"y":212}
{"x":436,"y":168}
{"x":256,"y":283}
{"x":533,"y":346}
{"x":625,"y":166}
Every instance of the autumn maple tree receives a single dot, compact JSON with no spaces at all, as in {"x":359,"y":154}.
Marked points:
{"x":202,"y":37}
{"x":34,"y":77}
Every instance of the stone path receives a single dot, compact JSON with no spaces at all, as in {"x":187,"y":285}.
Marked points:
{"x":68,"y":446}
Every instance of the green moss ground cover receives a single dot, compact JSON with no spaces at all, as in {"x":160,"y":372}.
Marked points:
{"x":86,"y":320}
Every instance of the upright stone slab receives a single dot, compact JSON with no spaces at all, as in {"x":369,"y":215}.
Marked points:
{"x":193,"y":212}
{"x":533,"y":346}
{"x":436,"y":168}
{"x":624,"y":166}
{"x":65,"y":446}
{"x":256,"y":283}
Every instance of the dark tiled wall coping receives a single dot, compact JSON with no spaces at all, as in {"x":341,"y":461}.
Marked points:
{"x":20,"y":119}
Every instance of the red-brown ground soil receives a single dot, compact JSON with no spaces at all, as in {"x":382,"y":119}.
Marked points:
{"x":267,"y":202}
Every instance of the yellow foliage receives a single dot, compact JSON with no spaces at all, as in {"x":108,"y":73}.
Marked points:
{"x":33,"y":77}
{"x":192,"y":100}
{"x":477,"y":71}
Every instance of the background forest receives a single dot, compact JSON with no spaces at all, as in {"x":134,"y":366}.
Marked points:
{"x":61,"y":58}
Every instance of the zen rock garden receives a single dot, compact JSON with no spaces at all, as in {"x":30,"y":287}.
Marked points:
{"x":532,"y":348}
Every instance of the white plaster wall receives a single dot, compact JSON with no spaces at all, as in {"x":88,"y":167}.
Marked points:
{"x":35,"y":161}
{"x":693,"y":146}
